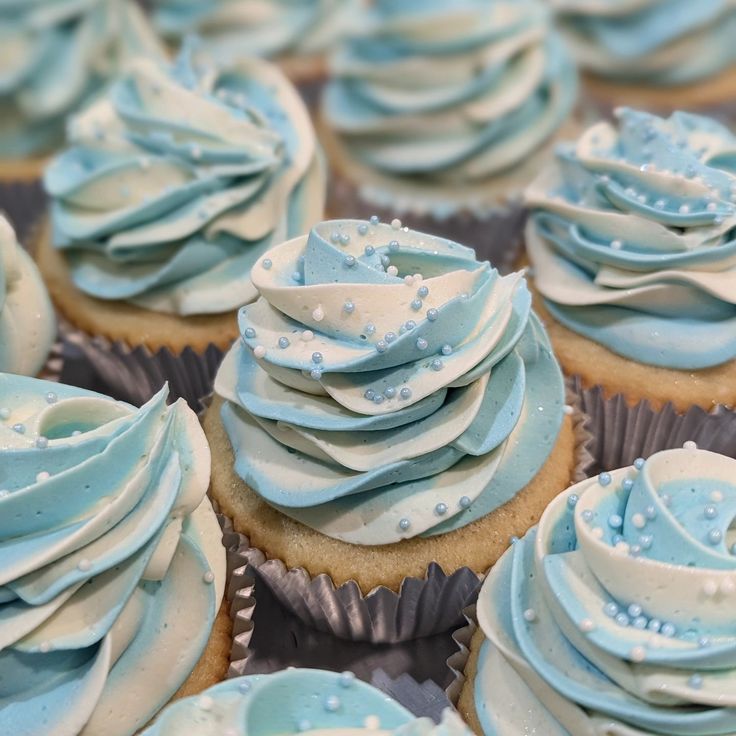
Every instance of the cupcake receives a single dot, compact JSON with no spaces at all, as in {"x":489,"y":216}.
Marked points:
{"x":298,"y":701}
{"x":614,"y":615}
{"x":392,"y":402}
{"x":297,"y":36}
{"x":172,"y":186}
{"x":440,"y":114}
{"x":57,"y":55}
{"x":631,"y":237}
{"x":113,"y":567}
{"x":660,"y":55}
{"x":27,"y":322}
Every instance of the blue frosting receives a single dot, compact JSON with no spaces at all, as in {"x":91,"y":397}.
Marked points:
{"x":296,"y":701}
{"x":179,"y":179}
{"x":388,"y":384}
{"x":616,"y":608}
{"x":56,"y":56}
{"x":446,"y":92}
{"x":633,"y":239}
{"x":658,"y":42}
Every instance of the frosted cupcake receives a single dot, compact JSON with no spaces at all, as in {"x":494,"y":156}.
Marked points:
{"x":441,"y":112}
{"x":297,"y":36}
{"x":56,"y":56}
{"x":172,"y":186}
{"x":614,"y":615}
{"x":632,"y":240}
{"x":113,"y":568}
{"x":298,"y":701}
{"x":392,"y":402}
{"x":27,"y":321}
{"x":660,"y":55}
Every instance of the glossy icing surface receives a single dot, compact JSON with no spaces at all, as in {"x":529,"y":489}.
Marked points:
{"x":27,"y":321}
{"x":112,"y":562}
{"x":297,"y":701}
{"x":450,"y":92}
{"x":55,"y":55}
{"x":614,"y":615}
{"x":633,"y":238}
{"x":656,"y":42}
{"x":179,"y":179}
{"x":387,"y":384}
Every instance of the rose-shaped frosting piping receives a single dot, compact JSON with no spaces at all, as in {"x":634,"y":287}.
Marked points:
{"x":179,"y":179}
{"x":450,"y":91}
{"x":387,"y":384}
{"x":297,"y":701}
{"x":266,"y":28}
{"x":27,"y":322}
{"x":112,"y":567}
{"x":614,"y":615}
{"x":658,"y":42}
{"x":55,"y":57}
{"x":633,"y":238}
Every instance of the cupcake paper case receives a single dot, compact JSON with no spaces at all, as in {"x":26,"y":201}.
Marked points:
{"x":173,"y":185}
{"x":298,"y":701}
{"x":441,"y":112}
{"x":393,"y":401}
{"x":631,"y":237}
{"x":110,"y":594}
{"x":614,"y":615}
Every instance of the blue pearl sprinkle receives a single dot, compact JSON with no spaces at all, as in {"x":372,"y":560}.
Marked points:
{"x":436,"y":364}
{"x":587,"y":515}
{"x":409,"y":325}
{"x":604,"y":479}
{"x":572,"y":500}
{"x":41,"y":442}
{"x":404,"y":524}
{"x":446,"y":349}
{"x":349,"y":261}
{"x":622,"y":619}
{"x":267,"y":263}
{"x":296,"y":276}
{"x":374,"y":220}
{"x":703,"y":642}
{"x":695,"y":681}
{"x":640,"y":622}
{"x":416,"y":304}
{"x":249,"y":332}
{"x":715,"y":536}
{"x":370,"y":328}
{"x":369,"y":394}
{"x":650,"y":512}
{"x":634,"y":610}
{"x":639,"y":463}
{"x":378,"y":399}
{"x":432,"y":314}
{"x":19,"y":428}
{"x":362,"y":229}
{"x":348,"y":307}
{"x":385,"y":261}
{"x":317,"y":357}
{"x":668,"y":630}
{"x":710,"y":511}
{"x":51,"y":398}
{"x":369,"y":250}
{"x":315,"y":373}
{"x":344,"y":239}
{"x":283,"y":342}
{"x":610,"y":609}
{"x":628,"y":484}
{"x":381,"y":346}
{"x":346,"y":679}
{"x":405,"y":393}
{"x":422,"y":344}
{"x":389,"y":337}
{"x":616,"y":538}
{"x":615,"y":521}
{"x":393,"y":246}
{"x":654,"y":624}
{"x":645,"y":541}
{"x":440,"y":509}
{"x":422,"y":291}
{"x":304,"y":725}
{"x":465,"y":502}
{"x":390,"y":392}
{"x":332,"y":703}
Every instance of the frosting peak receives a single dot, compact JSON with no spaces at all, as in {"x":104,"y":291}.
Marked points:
{"x":382,"y":359}
{"x":633,"y":238}
{"x":179,"y":178}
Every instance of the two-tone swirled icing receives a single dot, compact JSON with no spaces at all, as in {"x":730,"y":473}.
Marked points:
{"x":298,"y":701}
{"x":450,"y":92}
{"x":179,"y":179}
{"x":266,"y":28}
{"x":388,"y":384}
{"x":614,"y":615}
{"x":27,"y":322}
{"x":633,"y":238}
{"x":657,"y":42}
{"x":112,"y":563}
{"x":54,"y":57}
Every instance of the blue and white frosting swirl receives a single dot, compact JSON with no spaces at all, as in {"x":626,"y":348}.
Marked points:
{"x":268,"y":28}
{"x":179,"y":179}
{"x":27,"y":322}
{"x":633,"y":239}
{"x":56,"y":54}
{"x":452,"y":91}
{"x":111,"y":562}
{"x":657,"y":42}
{"x":615,"y":614}
{"x":297,"y":701}
{"x":387,"y":384}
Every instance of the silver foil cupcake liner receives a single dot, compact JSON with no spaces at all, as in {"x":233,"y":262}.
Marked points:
{"x":421,"y":607}
{"x":457,"y":662}
{"x":54,"y":366}
{"x":621,"y":432}
{"x":239,"y":594}
{"x":24,"y":203}
{"x":134,"y":374}
{"x":425,"y":699}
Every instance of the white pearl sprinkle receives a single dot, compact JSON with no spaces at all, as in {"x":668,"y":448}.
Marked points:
{"x":639,"y":521}
{"x":396,"y":224}
{"x":307,"y":335}
{"x":392,"y":271}
{"x":408,"y":279}
{"x":259,"y":351}
{"x":43,"y":475}
{"x":728,"y":587}
{"x":689,"y":445}
{"x":638,"y":654}
{"x":205,"y":702}
{"x":597,"y":532}
{"x":84,"y":565}
{"x":372,"y":723}
{"x":209,"y":577}
{"x":567,"y":409}
{"x":710,"y":588}
{"x":318,"y":314}
{"x":44,"y":647}
{"x":587,"y":625}
{"x":716,"y":496}
{"x":530,"y":615}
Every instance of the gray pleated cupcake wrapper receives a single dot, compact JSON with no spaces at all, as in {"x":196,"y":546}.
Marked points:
{"x":24,"y":203}
{"x":135,"y":374}
{"x":54,"y":363}
{"x":496,"y":234}
{"x":421,"y":607}
{"x":621,"y":432}
{"x":458,"y":661}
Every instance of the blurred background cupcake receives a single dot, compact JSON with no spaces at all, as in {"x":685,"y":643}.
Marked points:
{"x":172,"y":186}
{"x":632,"y":238}
{"x":296,"y":35}
{"x":27,"y":320}
{"x":55,"y":57}
{"x":657,"y":55}
{"x":113,"y":569}
{"x":441,"y":112}
{"x":392,"y":415}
